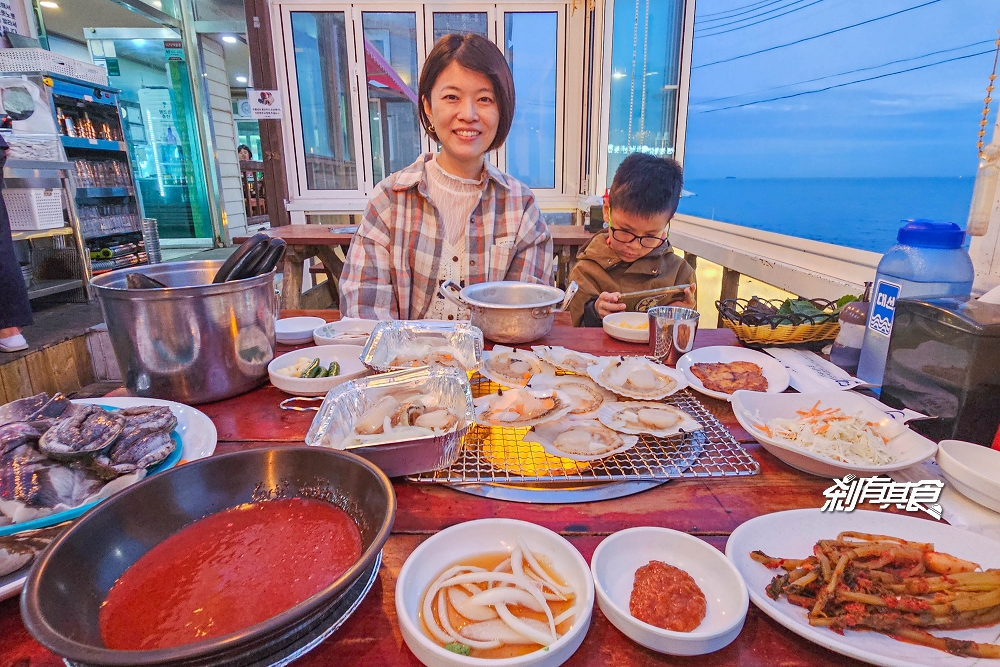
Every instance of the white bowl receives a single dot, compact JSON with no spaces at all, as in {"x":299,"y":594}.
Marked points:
{"x":344,"y":332}
{"x":292,"y":330}
{"x":618,"y":557}
{"x":485,"y":536}
{"x":772,"y":369}
{"x":346,"y":355}
{"x":753,"y":409}
{"x":968,"y":467}
{"x":612,"y":326}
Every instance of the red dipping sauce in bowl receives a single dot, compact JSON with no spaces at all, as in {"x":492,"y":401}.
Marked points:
{"x":229,"y":571}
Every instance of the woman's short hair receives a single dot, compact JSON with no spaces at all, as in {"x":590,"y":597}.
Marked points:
{"x":479,"y":54}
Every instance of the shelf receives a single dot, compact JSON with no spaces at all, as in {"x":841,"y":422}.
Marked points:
{"x":93,"y":144}
{"x":87,"y":237}
{"x":42,"y":288}
{"x":29,"y":235}
{"x":102,"y":193}
{"x":39,"y":165}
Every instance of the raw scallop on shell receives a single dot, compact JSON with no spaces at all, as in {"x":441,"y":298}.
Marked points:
{"x":565,"y":359}
{"x":509,"y":367}
{"x":646,"y":417}
{"x":637,"y":377}
{"x":521,"y":407}
{"x":88,"y":430}
{"x":580,"y":440}
{"x":585,"y":395}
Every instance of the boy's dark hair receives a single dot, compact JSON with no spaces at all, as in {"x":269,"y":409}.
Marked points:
{"x":646,"y":185}
{"x":479,"y":54}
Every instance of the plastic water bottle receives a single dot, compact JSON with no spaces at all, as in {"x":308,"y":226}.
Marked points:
{"x":928,"y":260}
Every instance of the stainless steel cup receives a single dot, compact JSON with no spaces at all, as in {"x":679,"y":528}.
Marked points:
{"x":195,"y":342}
{"x":671,"y":332}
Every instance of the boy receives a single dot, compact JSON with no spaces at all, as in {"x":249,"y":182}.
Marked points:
{"x":633,"y":254}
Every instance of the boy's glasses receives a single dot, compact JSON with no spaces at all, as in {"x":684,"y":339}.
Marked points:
{"x":623,"y":236}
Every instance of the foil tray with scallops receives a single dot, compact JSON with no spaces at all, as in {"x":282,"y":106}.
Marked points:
{"x":397,"y":345}
{"x":405,"y":422}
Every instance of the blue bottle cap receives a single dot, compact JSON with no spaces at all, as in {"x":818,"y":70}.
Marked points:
{"x":931,"y":234}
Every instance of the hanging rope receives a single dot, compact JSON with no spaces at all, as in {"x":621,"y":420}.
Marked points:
{"x":645,"y":65}
{"x":989,"y":98}
{"x":631,"y":92}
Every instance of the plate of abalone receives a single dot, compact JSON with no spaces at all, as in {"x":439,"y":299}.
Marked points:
{"x":194,"y":437}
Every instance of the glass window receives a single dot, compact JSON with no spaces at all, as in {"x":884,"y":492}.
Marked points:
{"x":531,"y":53}
{"x":392,"y":76}
{"x":645,"y":70}
{"x":321,"y":67}
{"x":463,"y":23}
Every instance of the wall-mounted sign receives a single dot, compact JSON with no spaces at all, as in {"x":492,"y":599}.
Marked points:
{"x":175,"y":50}
{"x":264,"y":104}
{"x":243,"y":109}
{"x":13,"y":18}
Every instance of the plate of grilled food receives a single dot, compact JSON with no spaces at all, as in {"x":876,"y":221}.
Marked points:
{"x":721,"y":370}
{"x":888,"y":589}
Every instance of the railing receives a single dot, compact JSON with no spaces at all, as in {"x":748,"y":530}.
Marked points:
{"x":254,"y":192}
{"x":808,"y":268}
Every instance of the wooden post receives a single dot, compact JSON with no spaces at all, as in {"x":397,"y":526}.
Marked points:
{"x":730,"y":287}
{"x":271,"y":139}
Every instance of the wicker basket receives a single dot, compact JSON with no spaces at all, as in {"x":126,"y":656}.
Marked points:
{"x":757,"y":330}
{"x":32,"y":209}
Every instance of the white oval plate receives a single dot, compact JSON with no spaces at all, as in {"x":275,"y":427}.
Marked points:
{"x":198,"y":440}
{"x":968,"y":467}
{"x":612,"y":327}
{"x":344,"y":332}
{"x":793,"y":533}
{"x":348,"y":356}
{"x":772,"y":369}
{"x":754,"y":408}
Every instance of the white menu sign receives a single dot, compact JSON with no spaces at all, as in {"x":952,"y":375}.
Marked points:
{"x":13,"y":18}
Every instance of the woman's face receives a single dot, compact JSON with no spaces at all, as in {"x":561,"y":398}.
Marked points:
{"x":463,"y":110}
{"x":244,"y":154}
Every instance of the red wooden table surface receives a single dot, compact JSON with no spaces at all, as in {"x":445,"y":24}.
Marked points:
{"x":708,"y":508}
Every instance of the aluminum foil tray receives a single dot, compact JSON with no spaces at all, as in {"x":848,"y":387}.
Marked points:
{"x":345,"y":404}
{"x":391,"y":339}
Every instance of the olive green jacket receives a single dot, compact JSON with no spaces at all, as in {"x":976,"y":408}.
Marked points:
{"x":599,"y":269}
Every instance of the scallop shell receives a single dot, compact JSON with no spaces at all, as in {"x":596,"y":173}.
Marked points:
{"x":496,"y":368}
{"x":604,"y":441}
{"x":611,"y":415}
{"x":486,"y":412}
{"x":660,"y":381}
{"x":586,"y":395}
{"x":565,"y":359}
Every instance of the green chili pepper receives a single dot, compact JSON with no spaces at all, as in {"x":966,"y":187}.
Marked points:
{"x":334,"y":369}
{"x":313,"y":370}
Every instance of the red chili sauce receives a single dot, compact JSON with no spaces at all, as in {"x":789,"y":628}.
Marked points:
{"x":667,"y":597}
{"x":229,"y":571}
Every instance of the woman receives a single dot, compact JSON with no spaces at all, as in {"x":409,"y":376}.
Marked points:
{"x":449,"y":215}
{"x":16,"y":310}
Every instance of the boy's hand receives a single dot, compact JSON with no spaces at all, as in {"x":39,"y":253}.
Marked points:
{"x":607,"y":303}
{"x":690,"y":299}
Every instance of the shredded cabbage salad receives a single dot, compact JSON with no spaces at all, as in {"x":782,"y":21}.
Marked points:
{"x":834,"y":434}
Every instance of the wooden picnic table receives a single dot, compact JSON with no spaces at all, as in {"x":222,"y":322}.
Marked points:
{"x":707,"y":508}
{"x":305,"y":241}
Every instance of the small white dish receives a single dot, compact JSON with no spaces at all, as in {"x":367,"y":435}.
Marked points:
{"x":346,"y":355}
{"x":616,"y":560}
{"x":754,"y":409}
{"x":963,"y":465}
{"x":344,"y":332}
{"x":485,"y":536}
{"x":773,"y":370}
{"x":613,"y":327}
{"x":295,"y":330}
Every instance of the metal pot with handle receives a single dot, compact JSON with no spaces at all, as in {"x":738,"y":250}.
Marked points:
{"x":508,"y":311}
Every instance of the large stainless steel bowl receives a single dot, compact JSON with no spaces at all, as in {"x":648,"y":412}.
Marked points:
{"x":195,"y":342}
{"x":66,"y":586}
{"x":508,"y":311}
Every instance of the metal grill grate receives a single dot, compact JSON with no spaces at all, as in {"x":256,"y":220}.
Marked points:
{"x":499,"y":455}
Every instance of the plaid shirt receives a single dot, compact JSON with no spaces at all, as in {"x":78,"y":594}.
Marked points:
{"x":392,"y":266}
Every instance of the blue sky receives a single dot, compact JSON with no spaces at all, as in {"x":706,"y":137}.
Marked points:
{"x":921,"y":123}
